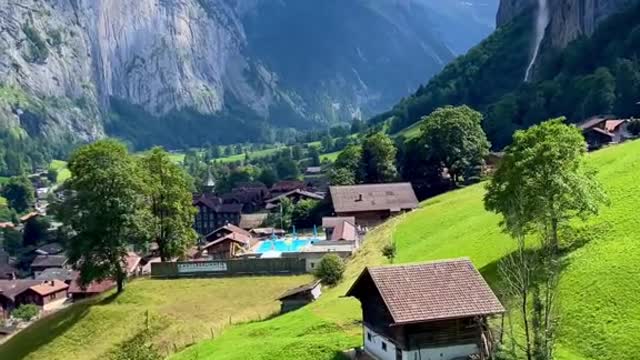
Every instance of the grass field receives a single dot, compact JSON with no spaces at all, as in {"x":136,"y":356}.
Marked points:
{"x":600,"y":314}
{"x":187,"y":310}
{"x":63,"y":172}
{"x":411,"y":131}
{"x":252,"y":155}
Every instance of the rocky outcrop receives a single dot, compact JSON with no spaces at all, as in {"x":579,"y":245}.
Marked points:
{"x":570,"y":19}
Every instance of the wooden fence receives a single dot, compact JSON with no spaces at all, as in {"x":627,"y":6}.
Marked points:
{"x":281,"y":266}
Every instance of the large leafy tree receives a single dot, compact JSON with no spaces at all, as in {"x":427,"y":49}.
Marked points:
{"x":346,"y":168}
{"x":542,"y":181}
{"x":169,"y":197}
{"x":20,"y":193}
{"x":453,"y":137}
{"x":378,"y":159}
{"x":106,"y":208}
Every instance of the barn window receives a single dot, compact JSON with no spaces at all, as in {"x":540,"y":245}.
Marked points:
{"x":384,"y":346}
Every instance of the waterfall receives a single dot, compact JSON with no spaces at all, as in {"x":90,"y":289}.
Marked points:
{"x":542,"y":22}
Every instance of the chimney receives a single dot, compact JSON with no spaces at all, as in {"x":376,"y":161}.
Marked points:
{"x":52,"y":283}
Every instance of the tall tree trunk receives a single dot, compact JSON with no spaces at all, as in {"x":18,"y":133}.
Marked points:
{"x":120,"y":284}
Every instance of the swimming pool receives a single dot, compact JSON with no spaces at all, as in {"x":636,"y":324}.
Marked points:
{"x":282,"y":245}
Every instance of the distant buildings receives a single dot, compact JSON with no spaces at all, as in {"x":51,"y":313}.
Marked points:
{"x":371,"y":204}
{"x":436,"y":310}
{"x":295,"y":196}
{"x":214,"y":213}
{"x":45,"y":294}
{"x":601,"y":130}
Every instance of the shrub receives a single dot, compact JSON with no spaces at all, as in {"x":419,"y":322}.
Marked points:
{"x":389,"y":251}
{"x":634,"y":127}
{"x":330,"y":269}
{"x":26,"y":312}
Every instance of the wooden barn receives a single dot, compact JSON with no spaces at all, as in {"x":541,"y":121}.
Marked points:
{"x":300,"y":296}
{"x":429,"y":311}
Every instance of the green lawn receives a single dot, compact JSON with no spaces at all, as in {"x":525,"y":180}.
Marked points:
{"x":331,"y":157}
{"x":63,"y":172}
{"x":410,"y":132}
{"x":187,"y":310}
{"x":600,"y":314}
{"x":252,"y":155}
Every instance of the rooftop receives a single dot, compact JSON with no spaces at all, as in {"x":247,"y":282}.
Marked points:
{"x":57,"y":274}
{"x":331,"y":222}
{"x":50,"y":249}
{"x":49,"y":261}
{"x":373,"y":197}
{"x":301,"y":192}
{"x":94,"y":287}
{"x":300,"y":289}
{"x":345,"y":231}
{"x":440,"y":290}
{"x":11,"y":288}
{"x":49,"y":287}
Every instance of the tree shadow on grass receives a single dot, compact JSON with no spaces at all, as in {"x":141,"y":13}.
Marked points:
{"x":44,"y":331}
{"x":572,"y":238}
{"x":109,"y":299}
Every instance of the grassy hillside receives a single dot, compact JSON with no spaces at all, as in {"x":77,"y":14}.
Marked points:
{"x":187,"y":310}
{"x":63,"y":172}
{"x":600,"y":315}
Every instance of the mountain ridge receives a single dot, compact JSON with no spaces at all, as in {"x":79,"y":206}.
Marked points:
{"x":177,"y":70}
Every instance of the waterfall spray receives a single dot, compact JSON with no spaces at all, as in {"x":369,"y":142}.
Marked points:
{"x":542,"y":22}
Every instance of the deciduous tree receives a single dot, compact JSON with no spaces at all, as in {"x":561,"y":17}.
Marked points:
{"x":106,"y":209}
{"x":169,"y":198}
{"x":541,"y":184}
{"x":454,"y":137}
{"x":20,"y":193}
{"x":544,"y":169}
{"x":378,"y":159}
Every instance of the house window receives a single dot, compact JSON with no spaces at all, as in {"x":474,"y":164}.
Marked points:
{"x":384,"y":346}
{"x":313,"y":265}
{"x":368,"y":336}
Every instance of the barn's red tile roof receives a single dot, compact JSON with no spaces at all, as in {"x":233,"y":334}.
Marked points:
{"x":235,"y":237}
{"x":94,"y":287}
{"x":331,"y":222}
{"x":612,"y":125}
{"x":344,"y":231}
{"x":373,"y":197}
{"x":287,"y":185}
{"x":432,"y":291}
{"x":49,"y":287}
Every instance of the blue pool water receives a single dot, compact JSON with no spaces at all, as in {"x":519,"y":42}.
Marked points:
{"x":282,"y":245}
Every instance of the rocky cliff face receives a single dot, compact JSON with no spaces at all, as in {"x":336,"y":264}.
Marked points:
{"x":570,"y":19}
{"x":286,"y":63}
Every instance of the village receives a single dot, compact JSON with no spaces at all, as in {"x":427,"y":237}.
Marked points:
{"x":441,"y":309}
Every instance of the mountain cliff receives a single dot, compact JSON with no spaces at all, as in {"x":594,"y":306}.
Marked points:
{"x":184,"y":72}
{"x":577,"y":59}
{"x":569,"y":19}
